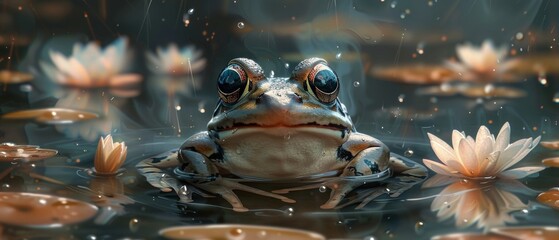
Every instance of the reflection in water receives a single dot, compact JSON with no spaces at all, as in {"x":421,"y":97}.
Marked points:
{"x":488,"y":203}
{"x":92,"y":101}
{"x":108,"y":193}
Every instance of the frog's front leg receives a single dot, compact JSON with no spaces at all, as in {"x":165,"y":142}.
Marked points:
{"x":198,"y":157}
{"x":366,"y":160}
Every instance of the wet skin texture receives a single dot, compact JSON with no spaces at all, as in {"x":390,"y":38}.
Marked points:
{"x":277,"y":129}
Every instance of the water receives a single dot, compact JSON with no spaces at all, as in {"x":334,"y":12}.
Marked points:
{"x":159,"y":113}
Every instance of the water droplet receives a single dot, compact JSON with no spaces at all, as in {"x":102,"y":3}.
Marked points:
{"x":186,"y":19}
{"x":5,"y":186}
{"x":556,"y":97}
{"x":91,"y":237}
{"x":26,"y":88}
{"x":419,"y":227}
{"x":402,"y":15}
{"x":420,"y":48}
{"x":356,"y":84}
{"x":407,"y":11}
{"x":289,"y":211}
{"x":178,"y":107}
{"x":393,"y":4}
{"x":322,"y":189}
{"x":464,"y":180}
{"x":401,"y":98}
{"x":241,"y":25}
{"x":519,"y":36}
{"x":287,"y":136}
{"x":287,"y":66}
{"x":183,"y":190}
{"x":339,"y":55}
{"x":542,"y":79}
{"x":133,"y":225}
{"x":262,"y":234}
{"x":272,"y":74}
{"x":525,"y":211}
{"x":408,"y":153}
{"x":489,"y":88}
{"x":369,"y":238}
{"x":235,"y":234}
{"x":191,"y":11}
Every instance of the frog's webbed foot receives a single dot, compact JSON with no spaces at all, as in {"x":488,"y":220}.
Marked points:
{"x":224,"y":187}
{"x":152,"y":169}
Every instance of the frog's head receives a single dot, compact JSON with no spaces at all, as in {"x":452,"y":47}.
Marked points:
{"x":307,"y":99}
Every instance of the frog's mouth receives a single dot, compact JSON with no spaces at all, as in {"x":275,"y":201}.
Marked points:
{"x":236,"y":126}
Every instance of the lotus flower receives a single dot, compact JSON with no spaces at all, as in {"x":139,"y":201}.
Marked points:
{"x":483,"y":63}
{"x":175,"y":61}
{"x":483,"y":157}
{"x":89,"y":66}
{"x":109,"y":156}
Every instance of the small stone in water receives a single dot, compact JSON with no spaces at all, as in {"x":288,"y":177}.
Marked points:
{"x":241,"y":25}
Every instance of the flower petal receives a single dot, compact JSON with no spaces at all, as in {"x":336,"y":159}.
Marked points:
{"x":456,"y":137}
{"x":468,"y":158}
{"x":440,"y":168}
{"x":443,"y":151}
{"x":503,"y":139}
{"x":484,"y":147}
{"x":519,"y":173}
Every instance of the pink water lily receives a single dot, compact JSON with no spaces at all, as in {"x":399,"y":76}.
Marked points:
{"x":485,"y":156}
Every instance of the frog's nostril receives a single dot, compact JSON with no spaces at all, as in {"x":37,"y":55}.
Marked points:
{"x":259,"y":99}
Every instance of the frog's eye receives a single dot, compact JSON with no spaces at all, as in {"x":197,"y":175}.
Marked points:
{"x":232,"y":83}
{"x":323,"y":82}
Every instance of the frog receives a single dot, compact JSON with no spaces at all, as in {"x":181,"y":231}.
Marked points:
{"x":278,"y":129}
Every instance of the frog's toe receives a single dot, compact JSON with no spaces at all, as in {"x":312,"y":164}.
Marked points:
{"x":155,"y":180}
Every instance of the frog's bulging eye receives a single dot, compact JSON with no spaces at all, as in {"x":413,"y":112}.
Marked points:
{"x":324,"y":83}
{"x":231,"y":83}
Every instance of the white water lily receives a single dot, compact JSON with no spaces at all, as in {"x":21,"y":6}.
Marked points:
{"x":175,"y":61}
{"x":485,"y":156}
{"x":109,"y":156}
{"x":89,"y":66}
{"x":481,"y":63}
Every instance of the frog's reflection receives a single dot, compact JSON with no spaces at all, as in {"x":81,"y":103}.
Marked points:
{"x":483,"y":203}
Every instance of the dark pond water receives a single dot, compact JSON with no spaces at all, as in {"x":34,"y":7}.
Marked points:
{"x":512,"y":79}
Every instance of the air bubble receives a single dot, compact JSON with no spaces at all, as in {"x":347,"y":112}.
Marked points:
{"x":241,"y":25}
{"x":339,"y":55}
{"x":356,"y":84}
{"x":322,"y":189}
